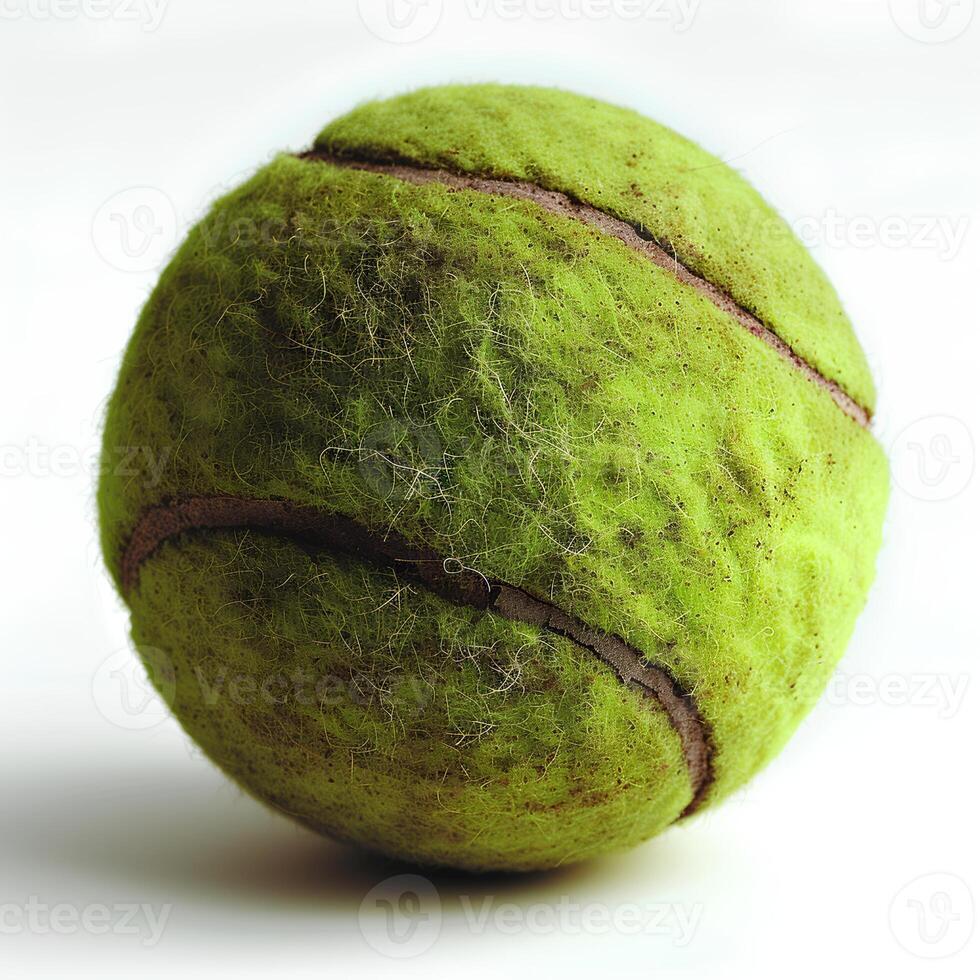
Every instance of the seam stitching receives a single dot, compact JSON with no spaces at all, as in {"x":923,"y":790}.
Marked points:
{"x":326,"y":531}
{"x":633,"y":236}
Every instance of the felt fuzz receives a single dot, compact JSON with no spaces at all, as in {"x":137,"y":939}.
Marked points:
{"x":514,"y":391}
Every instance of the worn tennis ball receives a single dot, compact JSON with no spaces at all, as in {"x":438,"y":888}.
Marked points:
{"x":494,"y":479}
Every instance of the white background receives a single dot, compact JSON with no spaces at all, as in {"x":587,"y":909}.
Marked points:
{"x":856,"y":853}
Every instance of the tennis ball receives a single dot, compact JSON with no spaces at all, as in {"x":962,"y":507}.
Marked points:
{"x":512,"y":495}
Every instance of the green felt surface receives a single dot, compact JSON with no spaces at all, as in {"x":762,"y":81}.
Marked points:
{"x":695,"y":205}
{"x":382,"y":715}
